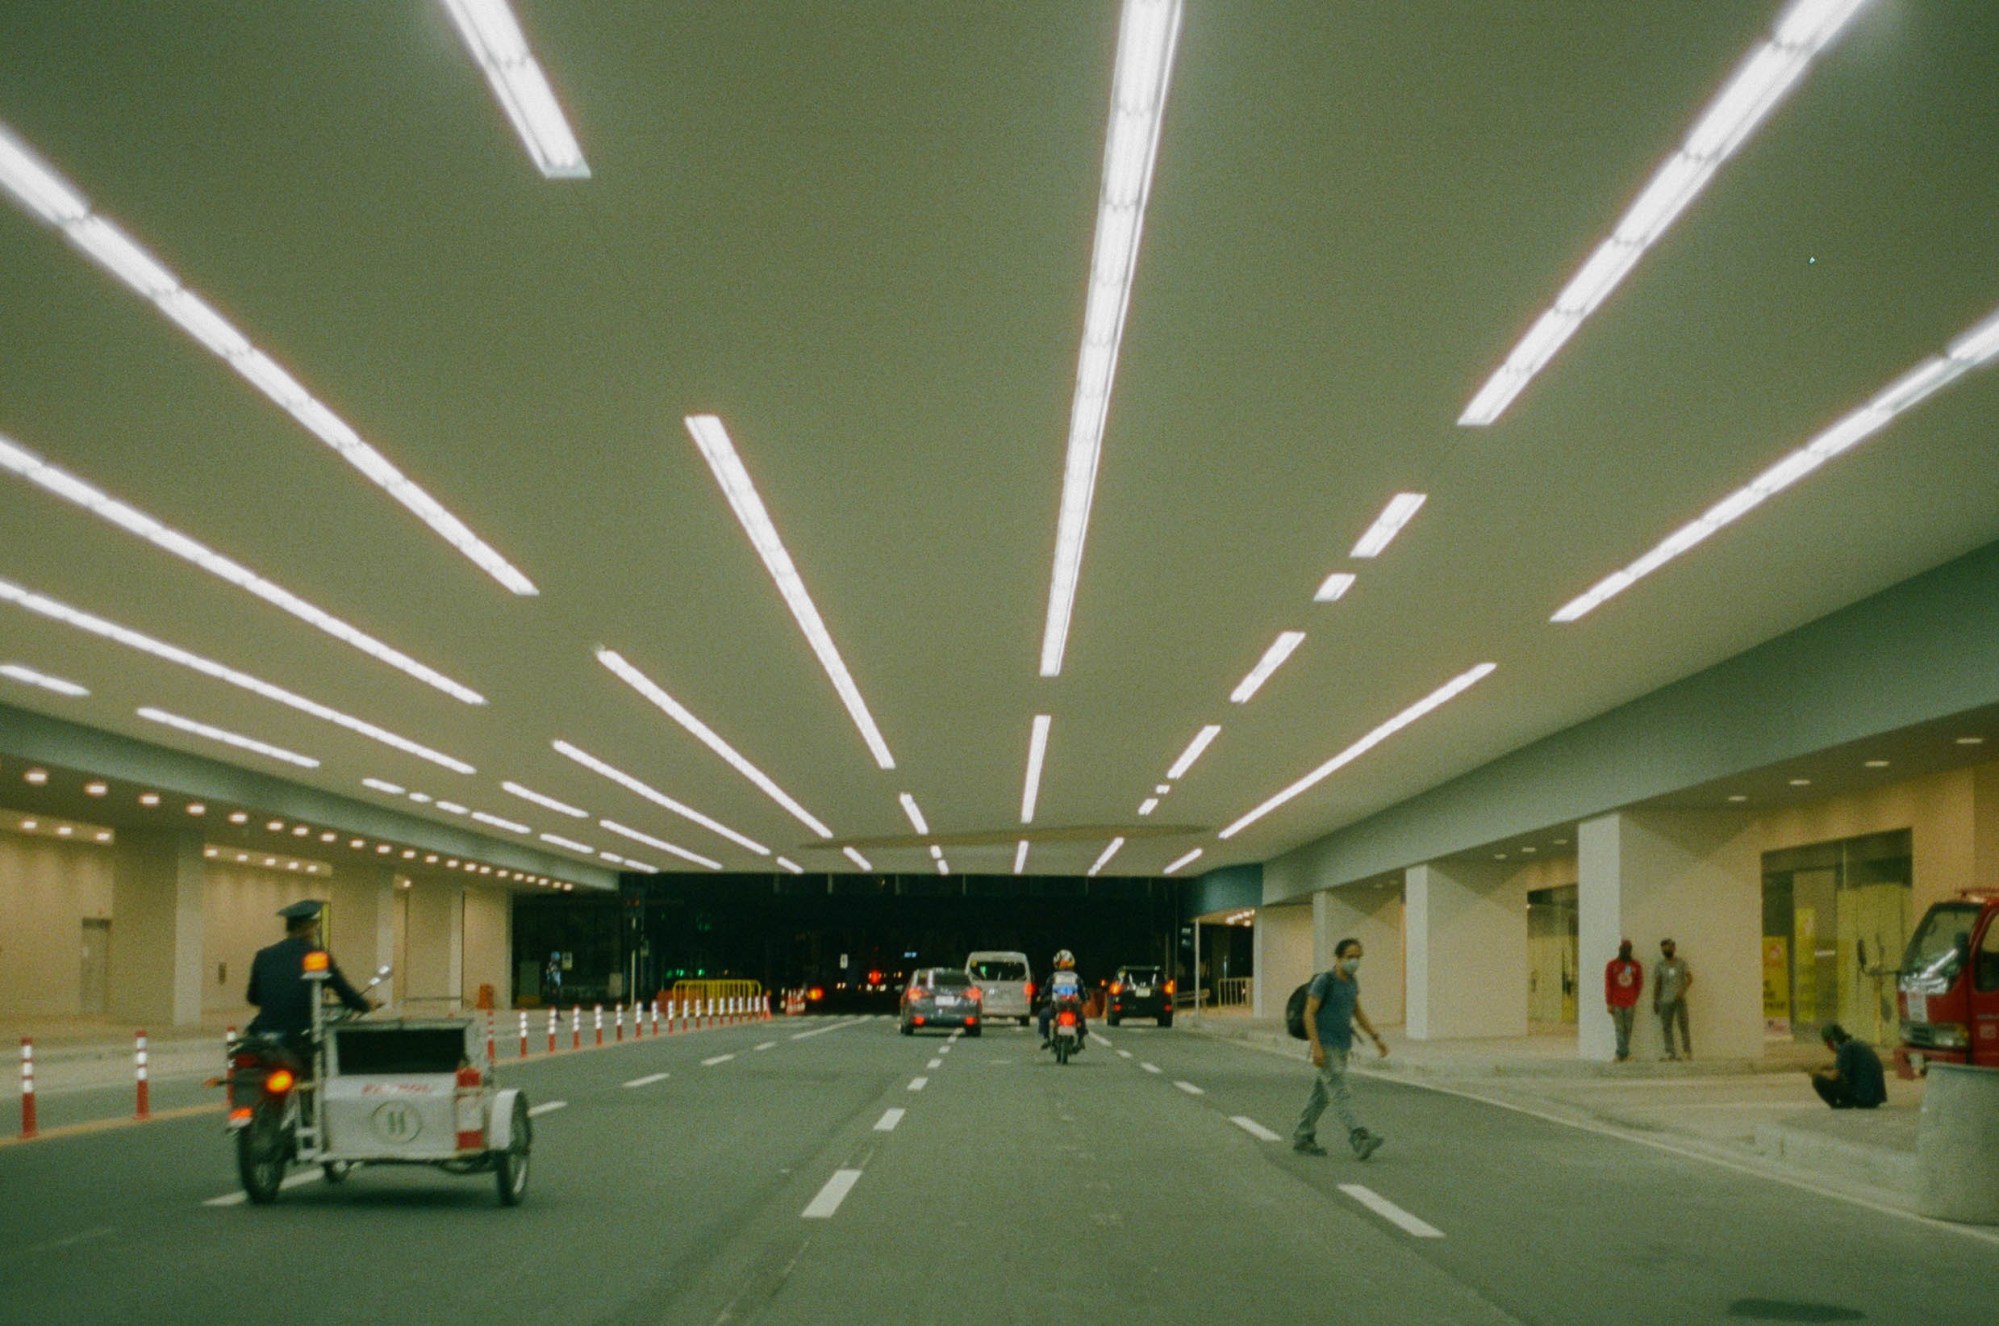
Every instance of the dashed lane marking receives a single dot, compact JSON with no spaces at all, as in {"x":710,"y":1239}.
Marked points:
{"x":718,"y":1059}
{"x":935,"y":1063}
{"x":648,"y":1079}
{"x":1253,"y":1128}
{"x":1124,"y":1054}
{"x":1150,"y":1068}
{"x":1190,"y":1088}
{"x":547,"y":1107}
{"x":1390,"y":1212}
{"x":767,"y":1045}
{"x":945,"y":1048}
{"x":889,"y":1119}
{"x":835,"y":1192}
{"x":918,"y":1083}
{"x":298,"y":1180}
{"x":821,"y":1031}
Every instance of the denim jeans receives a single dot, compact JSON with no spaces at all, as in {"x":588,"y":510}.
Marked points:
{"x":1622,"y":1018}
{"x":1329,"y":1086}
{"x":1676,"y":1011}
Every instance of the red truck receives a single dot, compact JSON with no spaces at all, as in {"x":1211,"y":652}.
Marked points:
{"x":1947,"y":991}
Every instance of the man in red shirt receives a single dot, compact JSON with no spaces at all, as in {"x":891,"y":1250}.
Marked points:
{"x":1623,"y":978}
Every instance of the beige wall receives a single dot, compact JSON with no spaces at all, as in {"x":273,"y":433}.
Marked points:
{"x":1374,"y":916}
{"x":1467,"y":961}
{"x":240,"y":915}
{"x":489,"y":944}
{"x":47,"y":887}
{"x":433,"y":962}
{"x":1942,"y":813}
{"x":1283,"y":956}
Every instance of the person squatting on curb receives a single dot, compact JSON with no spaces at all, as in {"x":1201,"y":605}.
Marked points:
{"x":1332,"y":1008}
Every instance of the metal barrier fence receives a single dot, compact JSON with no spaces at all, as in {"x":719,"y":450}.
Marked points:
{"x":1235,"y":992}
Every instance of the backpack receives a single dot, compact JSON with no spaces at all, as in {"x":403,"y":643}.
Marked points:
{"x":1294,"y":1010}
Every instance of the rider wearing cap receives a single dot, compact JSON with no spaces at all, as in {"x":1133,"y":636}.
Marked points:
{"x":1064,"y":986}
{"x":278,"y":987}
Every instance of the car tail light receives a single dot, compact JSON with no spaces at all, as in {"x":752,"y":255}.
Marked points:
{"x":816,"y":992}
{"x":1169,"y":988}
{"x":976,"y":995}
{"x":916,"y":1020}
{"x":279,"y":1082}
{"x":1028,"y":989}
{"x":1117,"y":987}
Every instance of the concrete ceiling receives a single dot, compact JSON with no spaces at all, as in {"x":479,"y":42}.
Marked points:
{"x":860,"y":234}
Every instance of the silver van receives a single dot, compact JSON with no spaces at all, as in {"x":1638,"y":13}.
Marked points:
{"x":1007,"y":982}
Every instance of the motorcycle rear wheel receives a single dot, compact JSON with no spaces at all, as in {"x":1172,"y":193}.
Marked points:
{"x":1061,"y":1049}
{"x":260,"y":1156}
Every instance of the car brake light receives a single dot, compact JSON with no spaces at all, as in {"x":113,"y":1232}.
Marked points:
{"x":1028,"y":989}
{"x":976,"y":995}
{"x":1117,"y":987}
{"x":916,"y":1020}
{"x":279,"y":1082}
{"x":1169,"y":987}
{"x":816,"y":992}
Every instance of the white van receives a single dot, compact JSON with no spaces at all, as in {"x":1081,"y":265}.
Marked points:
{"x":1006,"y":981}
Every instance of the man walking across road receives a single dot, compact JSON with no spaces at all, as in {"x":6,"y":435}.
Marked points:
{"x":1623,"y":978}
{"x":1670,"y":984}
{"x":1332,"y":1008}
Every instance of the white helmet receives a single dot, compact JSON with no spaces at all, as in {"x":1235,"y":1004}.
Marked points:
{"x":1065,"y":960}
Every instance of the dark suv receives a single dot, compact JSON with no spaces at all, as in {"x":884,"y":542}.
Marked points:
{"x":1140,"y":992}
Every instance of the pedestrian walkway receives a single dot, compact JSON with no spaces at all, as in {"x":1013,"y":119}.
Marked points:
{"x":1759,"y":1113}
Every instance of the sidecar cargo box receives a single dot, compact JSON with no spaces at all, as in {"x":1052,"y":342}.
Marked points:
{"x":404,"y":1047}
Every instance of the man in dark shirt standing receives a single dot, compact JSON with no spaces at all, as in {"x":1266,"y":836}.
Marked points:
{"x":1855,"y":1080}
{"x":278,"y":987}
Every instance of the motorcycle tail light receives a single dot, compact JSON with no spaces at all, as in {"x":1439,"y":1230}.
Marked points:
{"x":1066,"y":1018}
{"x":279,"y":1082}
{"x":240,"y":1112}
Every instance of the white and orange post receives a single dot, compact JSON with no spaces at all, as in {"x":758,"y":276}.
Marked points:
{"x":143,"y":1107}
{"x":524,"y":1034}
{"x":576,"y":1026}
{"x":655,"y":1017}
{"x":27,"y":1087}
{"x":491,"y":1053}
{"x":618,"y":1016}
{"x":551,"y":1030}
{"x":600,"y":1024}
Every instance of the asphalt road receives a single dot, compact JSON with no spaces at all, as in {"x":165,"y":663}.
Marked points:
{"x":763,"y":1174}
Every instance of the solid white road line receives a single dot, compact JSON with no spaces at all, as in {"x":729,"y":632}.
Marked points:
{"x":1190,"y":1088}
{"x":835,"y":1192}
{"x":767,"y":1045}
{"x":718,"y":1059}
{"x":888,"y":1121}
{"x":298,"y":1180}
{"x":1253,"y":1128}
{"x":547,"y":1107}
{"x":935,"y":1063}
{"x":648,"y":1079}
{"x":1390,"y":1212}
{"x":1150,"y":1068}
{"x":918,"y":1083}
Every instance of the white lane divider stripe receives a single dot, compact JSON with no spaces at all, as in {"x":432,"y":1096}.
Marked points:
{"x":821,"y":1031}
{"x":718,"y":1059}
{"x":767,"y":1045}
{"x":935,"y":1063}
{"x":945,"y":1048}
{"x":648,"y":1079}
{"x":1150,"y":1068}
{"x":547,"y":1107}
{"x":1253,"y":1128}
{"x":293,"y":1181}
{"x":918,"y":1083}
{"x":889,"y":1119}
{"x":1190,"y":1088}
{"x":1124,"y":1054}
{"x":835,"y":1192}
{"x":1100,"y":1040}
{"x":1390,"y":1212}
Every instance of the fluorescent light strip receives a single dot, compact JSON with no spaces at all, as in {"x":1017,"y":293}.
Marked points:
{"x":570,"y":843}
{"x":646,"y":866}
{"x":706,"y":735}
{"x":1146,"y":35}
{"x":657,"y":797}
{"x":1400,"y":510}
{"x":559,"y":807}
{"x":857,"y":858}
{"x":21,"y":461}
{"x":43,"y":680}
{"x":1188,"y":859}
{"x":62,"y":612}
{"x":1020,"y":858}
{"x":1193,"y":751}
{"x":380,"y":785}
{"x":936,"y":852}
{"x":915,"y":813}
{"x":497,"y":44}
{"x":227,"y":738}
{"x":720,"y":453}
{"x":1450,"y":690}
{"x":1109,"y":852}
{"x":499,"y":823}
{"x":453,"y":808}
{"x":1037,"y":752}
{"x":1273,"y":659}
{"x":1977,"y":347}
{"x":1771,"y":70}
{"x":1147,"y":806}
{"x":943,"y":866}
{"x":1335,"y":587}
{"x":661,"y":843}
{"x":791,"y":865}
{"x":45,"y":193}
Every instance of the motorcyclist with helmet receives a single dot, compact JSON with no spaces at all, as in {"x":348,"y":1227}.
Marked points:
{"x":1064,"y":990}
{"x":278,"y":986}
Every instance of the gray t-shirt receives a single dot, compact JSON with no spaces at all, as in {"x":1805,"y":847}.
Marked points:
{"x":1669,"y":979}
{"x":1337,"y":1001}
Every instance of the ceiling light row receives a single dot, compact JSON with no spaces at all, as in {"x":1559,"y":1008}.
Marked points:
{"x":493,"y":35}
{"x":654,"y":795}
{"x":857,"y":858}
{"x":1108,"y":853}
{"x":35,"y":824}
{"x":1187,"y":860}
{"x":29,"y":677}
{"x":1273,"y":658}
{"x":625,"y":831}
{"x":1037,"y":753}
{"x":1772,"y":69}
{"x":227,"y":738}
{"x":1020,"y":858}
{"x":270,"y":862}
{"x":46,"y":194}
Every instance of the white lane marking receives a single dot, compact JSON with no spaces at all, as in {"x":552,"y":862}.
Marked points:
{"x":1190,"y":1088}
{"x":1390,"y":1212}
{"x":1253,"y":1128}
{"x":821,"y":1031}
{"x":918,"y":1083}
{"x":1150,"y":1068}
{"x":945,"y":1048}
{"x":888,"y":1121}
{"x":648,"y":1079}
{"x":1124,"y":1054}
{"x":547,"y":1107}
{"x":1100,"y":1040}
{"x":835,"y":1192}
{"x":718,"y":1059}
{"x":935,"y":1063}
{"x":298,"y":1180}
{"x":55,"y":1245}
{"x":767,"y":1045}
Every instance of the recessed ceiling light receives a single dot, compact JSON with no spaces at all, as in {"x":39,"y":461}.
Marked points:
{"x":421,"y":798}
{"x":1801,"y":782}
{"x":657,"y":797}
{"x":1529,"y":849}
{"x":559,"y":807}
{"x":1971,"y":741}
{"x":242,"y":856}
{"x":1161,"y":789}
{"x":660,"y":843}
{"x":1108,"y":853}
{"x":149,"y":798}
{"x":1877,"y":764}
{"x":494,"y":37}
{"x":1802,"y":31}
{"x":103,"y":835}
{"x":1186,"y":860}
{"x":430,"y":859}
{"x":1401,"y":509}
{"x":29,"y":676}
{"x":275,"y":826}
{"x":62,"y":612}
{"x":291,"y":865}
{"x":451,"y":864}
{"x":857,"y":858}
{"x":37,"y":777}
{"x":915,"y":812}
{"x":1450,"y":690}
{"x":1037,"y":752}
{"x":1334,"y":587}
{"x":708,"y":737}
{"x":512,"y":826}
{"x":47,"y":194}
{"x":791,"y":865}
{"x":1739,"y":797}
{"x":713,"y":440}
{"x":1561,"y":842}
{"x":1147,"y":806}
{"x":328,"y":836}
{"x":72,"y":489}
{"x":1978,"y":346}
{"x":239,"y":817}
{"x":301,"y":830}
{"x":1273,"y":659}
{"x":1146,"y":36}
{"x":1020,"y":857}
{"x":196,"y":808}
{"x":383,"y":849}
{"x":409,"y":854}
{"x":1193,"y":751}
{"x":1499,"y":856}
{"x":96,"y":788}
{"x":357,"y":842}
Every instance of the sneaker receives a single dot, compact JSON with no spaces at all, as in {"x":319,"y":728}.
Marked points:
{"x":1308,"y":1147}
{"x":1365,"y":1143}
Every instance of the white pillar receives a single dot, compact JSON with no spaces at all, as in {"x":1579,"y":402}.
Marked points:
{"x":1374,"y":917}
{"x":1694,"y":877}
{"x":1467,"y":951}
{"x":1283,"y":940}
{"x":157,"y":887}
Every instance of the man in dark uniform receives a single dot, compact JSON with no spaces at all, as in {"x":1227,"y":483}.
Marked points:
{"x":278,"y":987}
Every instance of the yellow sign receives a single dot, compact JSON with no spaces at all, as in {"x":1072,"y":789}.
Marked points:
{"x":1776,"y":986}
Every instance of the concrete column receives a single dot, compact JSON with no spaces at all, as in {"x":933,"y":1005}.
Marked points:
{"x":1283,"y":940}
{"x":1693,"y":876}
{"x":157,"y":887}
{"x":1374,"y":917}
{"x":1467,"y":951}
{"x":434,"y":961}
{"x":363,"y":934}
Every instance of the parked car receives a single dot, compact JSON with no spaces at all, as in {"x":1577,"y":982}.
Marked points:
{"x":1007,"y":982}
{"x":941,"y":997}
{"x":1139,"y":992}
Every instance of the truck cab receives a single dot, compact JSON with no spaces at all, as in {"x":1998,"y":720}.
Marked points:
{"x":1947,"y":991}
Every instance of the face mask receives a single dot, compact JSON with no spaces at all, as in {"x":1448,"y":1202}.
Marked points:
{"x":1349,"y":965}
